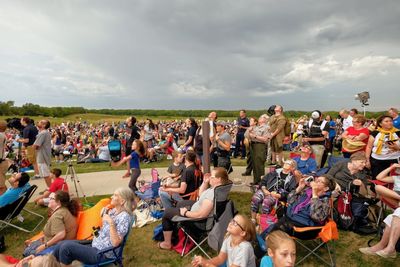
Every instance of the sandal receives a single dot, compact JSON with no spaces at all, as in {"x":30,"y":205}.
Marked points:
{"x":126,"y":175}
{"x":160,"y":247}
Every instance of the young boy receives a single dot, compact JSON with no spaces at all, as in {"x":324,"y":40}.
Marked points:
{"x":172,"y":179}
{"x":57,"y":183}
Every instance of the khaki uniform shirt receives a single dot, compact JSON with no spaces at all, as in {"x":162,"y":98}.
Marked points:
{"x":261,"y":130}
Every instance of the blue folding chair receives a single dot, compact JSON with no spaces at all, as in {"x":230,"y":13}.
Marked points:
{"x":332,"y":160}
{"x":116,"y":252}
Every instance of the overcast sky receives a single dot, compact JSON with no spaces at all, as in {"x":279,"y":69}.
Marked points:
{"x":200,"y":54}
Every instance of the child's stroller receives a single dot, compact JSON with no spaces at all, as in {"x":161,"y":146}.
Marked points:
{"x":148,"y":194}
{"x":114,"y":146}
{"x":149,"y":191}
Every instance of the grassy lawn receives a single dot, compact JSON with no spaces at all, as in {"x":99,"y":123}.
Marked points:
{"x":142,"y":251}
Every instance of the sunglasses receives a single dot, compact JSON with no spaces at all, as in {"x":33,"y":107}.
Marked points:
{"x":235,"y":223}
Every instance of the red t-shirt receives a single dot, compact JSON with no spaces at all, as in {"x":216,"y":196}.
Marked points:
{"x":58,"y":184}
{"x":352,"y":131}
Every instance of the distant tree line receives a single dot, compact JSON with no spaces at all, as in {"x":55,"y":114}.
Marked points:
{"x":8,"y":109}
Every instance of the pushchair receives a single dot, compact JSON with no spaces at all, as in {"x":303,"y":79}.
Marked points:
{"x":114,"y":146}
{"x":149,"y":190}
{"x":148,"y":194}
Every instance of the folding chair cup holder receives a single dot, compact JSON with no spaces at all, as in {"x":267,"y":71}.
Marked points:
{"x":198,"y":231}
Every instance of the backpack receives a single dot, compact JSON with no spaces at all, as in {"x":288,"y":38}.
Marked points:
{"x":288,"y":127}
{"x":344,"y":212}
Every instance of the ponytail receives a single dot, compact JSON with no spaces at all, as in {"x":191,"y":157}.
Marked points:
{"x":71,"y":204}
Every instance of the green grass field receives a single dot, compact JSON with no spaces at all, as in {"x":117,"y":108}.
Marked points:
{"x":141,"y":250}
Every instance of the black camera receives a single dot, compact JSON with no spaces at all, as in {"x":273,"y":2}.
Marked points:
{"x":14,"y":123}
{"x":271,"y":110}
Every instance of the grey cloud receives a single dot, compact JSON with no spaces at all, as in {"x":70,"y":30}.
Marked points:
{"x":231,"y":52}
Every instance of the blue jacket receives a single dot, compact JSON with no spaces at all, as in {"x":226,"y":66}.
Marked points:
{"x":315,"y":213}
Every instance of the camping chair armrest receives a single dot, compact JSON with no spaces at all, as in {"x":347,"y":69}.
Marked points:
{"x":178,"y":218}
{"x":377,"y":182}
{"x":306,"y":229}
{"x":105,"y":250}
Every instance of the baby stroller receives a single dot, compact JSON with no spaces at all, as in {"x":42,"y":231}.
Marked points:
{"x":114,"y":146}
{"x":148,"y":194}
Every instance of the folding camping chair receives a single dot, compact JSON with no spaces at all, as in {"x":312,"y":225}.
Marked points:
{"x":326,"y":236}
{"x":12,"y":210}
{"x":197,"y":230}
{"x":115,"y":252}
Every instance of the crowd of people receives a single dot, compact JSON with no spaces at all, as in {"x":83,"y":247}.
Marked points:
{"x":370,"y":150}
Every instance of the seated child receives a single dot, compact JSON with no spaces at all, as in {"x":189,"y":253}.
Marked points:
{"x":237,"y":249}
{"x":172,"y":179}
{"x":281,"y":250}
{"x":275,"y":186}
{"x":57,"y":183}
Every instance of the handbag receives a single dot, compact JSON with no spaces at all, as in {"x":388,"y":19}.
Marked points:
{"x":181,"y":242}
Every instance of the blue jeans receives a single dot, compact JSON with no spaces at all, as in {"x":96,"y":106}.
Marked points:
{"x":166,"y":199}
{"x":240,"y":144}
{"x":69,"y":250}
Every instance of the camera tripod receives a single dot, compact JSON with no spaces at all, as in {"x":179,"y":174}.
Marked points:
{"x":71,"y":174}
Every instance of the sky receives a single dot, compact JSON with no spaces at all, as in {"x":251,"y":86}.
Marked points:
{"x":208,"y":54}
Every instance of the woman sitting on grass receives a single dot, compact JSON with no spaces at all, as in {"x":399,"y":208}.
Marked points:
{"x":281,"y":250}
{"x":116,"y":224}
{"x":134,"y":163}
{"x":62,"y":224}
{"x":236,"y":249}
{"x":191,"y":209}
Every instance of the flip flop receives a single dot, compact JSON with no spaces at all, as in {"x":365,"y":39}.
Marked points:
{"x":160,"y":247}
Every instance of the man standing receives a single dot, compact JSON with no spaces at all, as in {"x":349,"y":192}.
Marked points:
{"x":277,"y":123}
{"x":394,"y":113}
{"x":347,"y":119}
{"x":28,"y":138}
{"x":43,"y":149}
{"x":317,"y":132}
{"x":223,"y":141}
{"x":4,"y":164}
{"x":259,"y":137}
{"x":242,"y":124}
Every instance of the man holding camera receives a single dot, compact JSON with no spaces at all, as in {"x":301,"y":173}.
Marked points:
{"x":28,"y":138}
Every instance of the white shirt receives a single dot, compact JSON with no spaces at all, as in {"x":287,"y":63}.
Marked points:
{"x":347,"y":122}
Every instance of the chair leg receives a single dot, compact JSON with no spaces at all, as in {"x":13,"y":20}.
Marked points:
{"x":313,"y":252}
